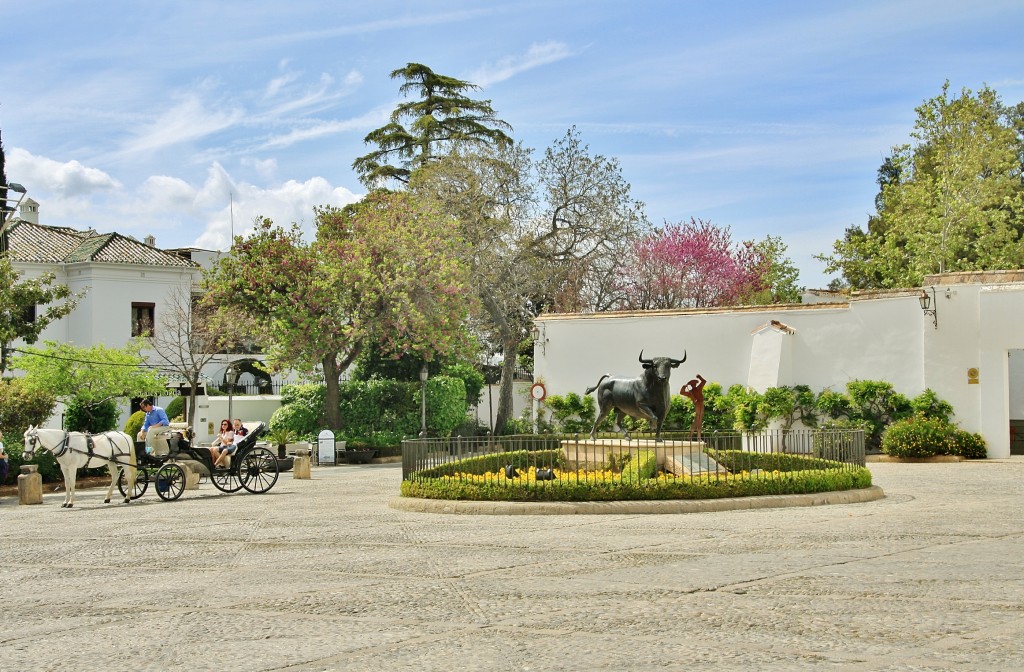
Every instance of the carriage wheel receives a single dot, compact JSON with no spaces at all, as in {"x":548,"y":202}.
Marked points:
{"x":258,"y":471}
{"x":170,"y":482}
{"x":141,"y":483}
{"x":226,"y":480}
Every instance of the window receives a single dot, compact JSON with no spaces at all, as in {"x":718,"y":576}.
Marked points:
{"x":143,"y":318}
{"x":29,"y":316}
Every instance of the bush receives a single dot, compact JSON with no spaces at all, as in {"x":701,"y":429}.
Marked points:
{"x":571,"y":414}
{"x":92,"y":417}
{"x":925,"y":437}
{"x":21,"y":406}
{"x":299,"y":419}
{"x":969,"y":445}
{"x":446,"y":404}
{"x":375,"y":405}
{"x":44,"y":459}
{"x":134,"y":424}
{"x":175,"y":408}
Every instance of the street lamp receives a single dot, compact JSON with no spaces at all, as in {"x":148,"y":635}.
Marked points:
{"x":423,"y":400}
{"x":231,"y":377}
{"x":926,"y":301}
{"x":7,"y":213}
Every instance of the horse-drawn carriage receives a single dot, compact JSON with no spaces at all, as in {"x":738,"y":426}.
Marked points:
{"x":168,"y":455}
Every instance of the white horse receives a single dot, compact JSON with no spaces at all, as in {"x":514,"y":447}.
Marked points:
{"x":75,"y":450}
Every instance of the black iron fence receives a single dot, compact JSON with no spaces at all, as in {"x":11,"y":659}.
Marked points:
{"x":722,"y":454}
{"x":273,"y":387}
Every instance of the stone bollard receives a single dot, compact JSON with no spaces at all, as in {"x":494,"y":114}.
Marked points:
{"x":300,"y":468}
{"x":30,"y":485}
{"x":191,"y":477}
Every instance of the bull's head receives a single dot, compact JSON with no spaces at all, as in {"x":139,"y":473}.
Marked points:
{"x":648,"y":363}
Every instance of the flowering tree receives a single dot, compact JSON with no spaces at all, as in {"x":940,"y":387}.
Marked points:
{"x":689,"y":265}
{"x":385,"y":270}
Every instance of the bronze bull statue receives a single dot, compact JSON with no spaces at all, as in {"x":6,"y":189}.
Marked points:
{"x":645,"y":398}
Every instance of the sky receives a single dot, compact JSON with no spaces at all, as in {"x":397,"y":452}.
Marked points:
{"x":187,"y":119}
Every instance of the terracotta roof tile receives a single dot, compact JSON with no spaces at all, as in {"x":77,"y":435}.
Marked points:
{"x":50,"y":244}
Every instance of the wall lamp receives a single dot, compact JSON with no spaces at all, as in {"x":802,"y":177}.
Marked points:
{"x":926,"y":303}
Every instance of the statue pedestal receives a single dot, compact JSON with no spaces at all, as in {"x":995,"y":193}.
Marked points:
{"x":676,"y":457}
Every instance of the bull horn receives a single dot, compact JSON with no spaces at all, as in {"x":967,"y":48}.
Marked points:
{"x":679,"y":361}
{"x":644,"y":361}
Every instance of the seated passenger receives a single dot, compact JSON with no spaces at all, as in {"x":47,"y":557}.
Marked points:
{"x":240,"y":431}
{"x":224,"y":444}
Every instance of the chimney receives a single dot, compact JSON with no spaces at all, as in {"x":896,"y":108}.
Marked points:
{"x":29,"y":211}
{"x":150,"y":240}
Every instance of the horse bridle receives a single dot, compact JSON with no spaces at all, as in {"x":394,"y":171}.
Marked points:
{"x":33,"y":439}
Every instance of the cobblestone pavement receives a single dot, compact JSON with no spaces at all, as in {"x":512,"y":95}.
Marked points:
{"x":323,"y":575}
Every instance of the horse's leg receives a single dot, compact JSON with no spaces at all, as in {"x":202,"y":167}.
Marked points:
{"x":70,"y":474}
{"x":115,"y":473}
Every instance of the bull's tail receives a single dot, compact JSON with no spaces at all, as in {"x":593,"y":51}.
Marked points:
{"x":591,"y":389}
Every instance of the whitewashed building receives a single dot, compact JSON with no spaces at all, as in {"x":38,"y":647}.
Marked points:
{"x":968,"y":347}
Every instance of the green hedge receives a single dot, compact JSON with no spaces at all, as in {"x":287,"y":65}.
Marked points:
{"x":495,"y":462}
{"x":798,"y":482}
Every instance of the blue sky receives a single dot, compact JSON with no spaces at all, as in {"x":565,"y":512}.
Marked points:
{"x":166,"y":118}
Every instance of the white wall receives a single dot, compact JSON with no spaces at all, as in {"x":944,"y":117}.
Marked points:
{"x":881,"y":336}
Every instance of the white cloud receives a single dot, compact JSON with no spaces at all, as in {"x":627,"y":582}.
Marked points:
{"x":265,"y":168}
{"x":67,"y":180}
{"x":506,"y":68}
{"x":369,"y":120}
{"x":188,"y":120}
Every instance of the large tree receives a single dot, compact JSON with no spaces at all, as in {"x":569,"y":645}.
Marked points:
{"x":439,"y":117}
{"x":20,"y":303}
{"x":386,"y":271}
{"x":535,"y":232}
{"x":952,"y":200}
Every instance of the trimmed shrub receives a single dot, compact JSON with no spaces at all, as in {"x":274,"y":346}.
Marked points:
{"x":446,"y":404}
{"x":969,"y":445}
{"x":175,"y":408}
{"x":134,"y":424}
{"x":918,"y":437}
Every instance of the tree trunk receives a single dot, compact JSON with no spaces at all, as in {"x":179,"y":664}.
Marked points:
{"x":190,"y":420}
{"x":508,"y":370}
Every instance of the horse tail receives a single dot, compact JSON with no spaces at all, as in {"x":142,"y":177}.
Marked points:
{"x":591,"y":389}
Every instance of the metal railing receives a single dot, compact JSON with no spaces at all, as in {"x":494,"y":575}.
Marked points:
{"x":720,"y":454}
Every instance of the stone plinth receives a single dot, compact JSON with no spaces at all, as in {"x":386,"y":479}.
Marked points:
{"x":595,"y":453}
{"x":300,"y":468}
{"x":30,"y":485}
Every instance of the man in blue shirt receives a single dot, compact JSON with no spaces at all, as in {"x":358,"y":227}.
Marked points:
{"x":155,"y":417}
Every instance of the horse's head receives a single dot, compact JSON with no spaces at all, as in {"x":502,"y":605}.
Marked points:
{"x":31,"y":439}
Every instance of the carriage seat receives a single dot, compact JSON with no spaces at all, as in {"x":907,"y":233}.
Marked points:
{"x":256,"y":430}
{"x":164,"y":440}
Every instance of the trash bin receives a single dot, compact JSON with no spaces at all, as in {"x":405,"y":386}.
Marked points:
{"x":325,"y":447}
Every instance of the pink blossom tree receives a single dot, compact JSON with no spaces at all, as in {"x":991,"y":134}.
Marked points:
{"x":692,"y":264}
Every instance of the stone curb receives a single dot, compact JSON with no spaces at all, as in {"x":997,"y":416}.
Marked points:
{"x":935,"y":459}
{"x":417,"y":505}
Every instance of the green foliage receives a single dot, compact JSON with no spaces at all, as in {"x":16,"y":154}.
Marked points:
{"x":442,"y":116}
{"x":99,"y":373}
{"x":833,"y":404}
{"x":22,"y":405}
{"x":919,"y":436}
{"x":640,"y":466}
{"x":805,"y":478}
{"x":386,"y":271}
{"x":929,"y":405}
{"x":175,"y":408}
{"x":369,"y":406}
{"x":18,"y":296}
{"x":471,"y":378}
{"x":951,"y":201}
{"x":133,"y":425}
{"x":296,"y":418}
{"x":49,"y":470}
{"x":281,"y":435}
{"x":571,"y":414}
{"x":446,"y":404}
{"x":746,"y":405}
{"x":878,"y":404}
{"x":93,"y":418}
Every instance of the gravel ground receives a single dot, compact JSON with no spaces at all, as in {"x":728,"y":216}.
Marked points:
{"x":322,"y":574}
